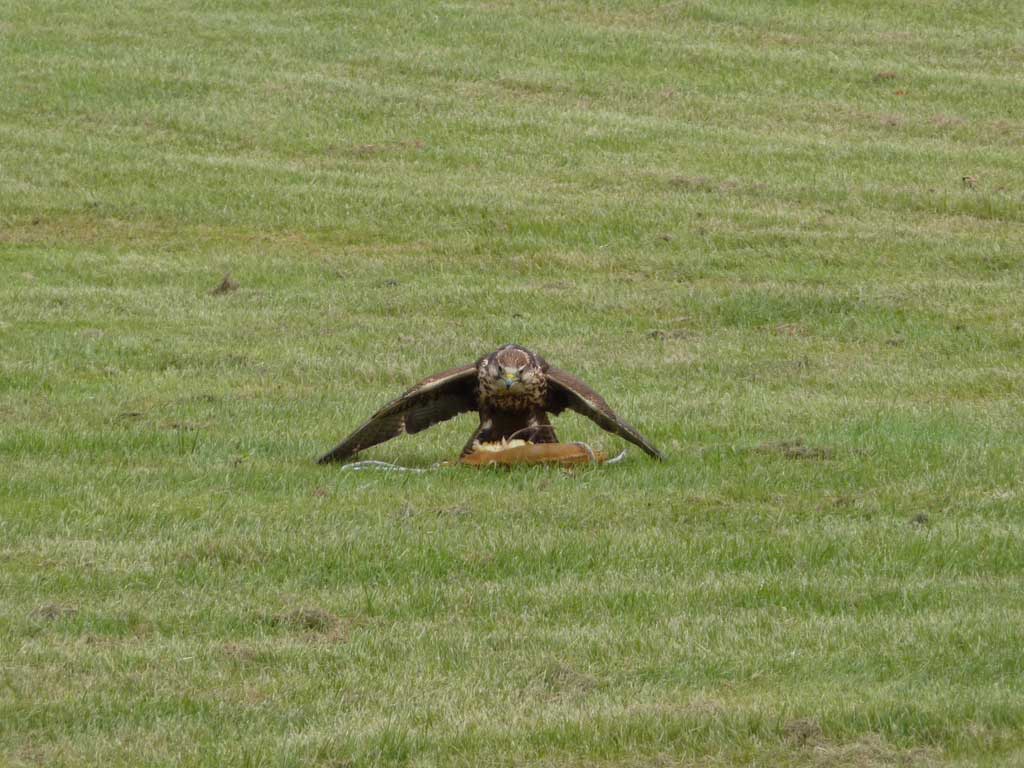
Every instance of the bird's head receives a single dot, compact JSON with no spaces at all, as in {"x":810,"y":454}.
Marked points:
{"x":512,"y":370}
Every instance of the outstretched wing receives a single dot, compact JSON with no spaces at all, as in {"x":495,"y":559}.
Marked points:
{"x":566,"y":391}
{"x":433,"y":400}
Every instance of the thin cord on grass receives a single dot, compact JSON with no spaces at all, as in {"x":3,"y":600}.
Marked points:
{"x":384,"y":466}
{"x":617,"y":459}
{"x":593,"y":458}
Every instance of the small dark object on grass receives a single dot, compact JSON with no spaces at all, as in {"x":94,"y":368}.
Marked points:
{"x":227,"y":285}
{"x":310,"y":619}
{"x":802,"y":731}
{"x":795,"y":449}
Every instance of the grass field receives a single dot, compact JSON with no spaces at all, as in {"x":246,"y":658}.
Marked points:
{"x":783,"y":239}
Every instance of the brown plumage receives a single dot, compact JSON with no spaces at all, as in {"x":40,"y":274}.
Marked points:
{"x":512,"y":389}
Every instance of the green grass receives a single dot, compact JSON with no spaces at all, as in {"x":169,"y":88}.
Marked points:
{"x":784,"y":239}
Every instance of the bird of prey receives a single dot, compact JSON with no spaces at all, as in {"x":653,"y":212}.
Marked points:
{"x":512,"y":389}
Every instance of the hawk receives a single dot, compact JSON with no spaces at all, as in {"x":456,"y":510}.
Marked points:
{"x":512,"y":389}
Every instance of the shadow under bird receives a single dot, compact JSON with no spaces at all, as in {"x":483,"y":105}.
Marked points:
{"x":512,"y":389}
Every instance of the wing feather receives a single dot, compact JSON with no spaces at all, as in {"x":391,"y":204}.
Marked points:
{"x":433,"y":400}
{"x":567,"y":391}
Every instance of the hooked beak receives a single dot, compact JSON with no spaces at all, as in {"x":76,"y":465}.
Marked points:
{"x":510,"y":381}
